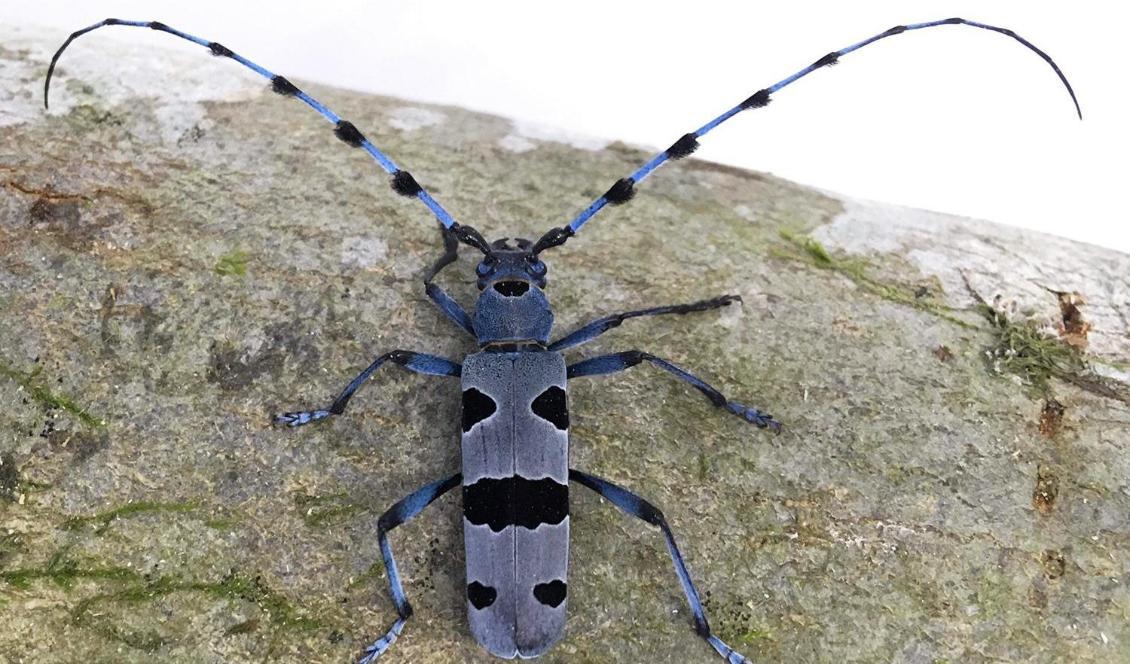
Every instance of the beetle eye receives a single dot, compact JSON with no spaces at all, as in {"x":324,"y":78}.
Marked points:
{"x":483,"y":269}
{"x":535,"y":266}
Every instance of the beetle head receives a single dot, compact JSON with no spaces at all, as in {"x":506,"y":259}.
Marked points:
{"x":511,"y":265}
{"x":512,"y":308}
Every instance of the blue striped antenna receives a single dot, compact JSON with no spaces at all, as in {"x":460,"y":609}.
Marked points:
{"x":400,"y":180}
{"x":624,"y":188}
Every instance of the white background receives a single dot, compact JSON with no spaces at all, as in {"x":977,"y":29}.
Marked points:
{"x":953,"y":118}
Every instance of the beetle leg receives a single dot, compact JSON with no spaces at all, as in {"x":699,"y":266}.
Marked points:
{"x":437,"y":295}
{"x":402,"y":511}
{"x":601,"y":325}
{"x":617,"y":362}
{"x":641,"y":509}
{"x":420,"y":363}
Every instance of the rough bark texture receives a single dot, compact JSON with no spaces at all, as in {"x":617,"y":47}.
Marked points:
{"x":183,"y":253}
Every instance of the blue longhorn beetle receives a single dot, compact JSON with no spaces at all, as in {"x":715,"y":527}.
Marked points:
{"x":515,"y":418}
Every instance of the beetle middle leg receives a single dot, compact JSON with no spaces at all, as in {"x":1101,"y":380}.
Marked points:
{"x":402,"y":511}
{"x":641,"y":509}
{"x":599,"y":326}
{"x":617,"y":362}
{"x":420,"y":363}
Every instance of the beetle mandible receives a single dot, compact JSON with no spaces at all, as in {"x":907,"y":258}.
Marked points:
{"x":515,"y":418}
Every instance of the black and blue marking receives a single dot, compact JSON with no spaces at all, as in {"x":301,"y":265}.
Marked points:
{"x":399,"y":513}
{"x":401,"y":181}
{"x":420,"y":363}
{"x":515,"y":415}
{"x":515,"y":460}
{"x":641,"y":509}
{"x":617,"y":362}
{"x":624,"y":188}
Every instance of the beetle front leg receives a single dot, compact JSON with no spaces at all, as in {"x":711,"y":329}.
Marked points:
{"x":420,"y":363}
{"x":617,"y":362}
{"x":437,"y":295}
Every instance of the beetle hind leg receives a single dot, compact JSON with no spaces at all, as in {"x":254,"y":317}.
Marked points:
{"x":405,"y":509}
{"x":641,"y":509}
{"x":382,"y":644}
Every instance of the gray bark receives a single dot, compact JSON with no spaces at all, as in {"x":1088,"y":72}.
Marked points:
{"x":183,"y":253}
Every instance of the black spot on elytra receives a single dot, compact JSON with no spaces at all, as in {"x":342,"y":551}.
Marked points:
{"x":476,"y":408}
{"x":515,"y":501}
{"x":552,"y":593}
{"x":481,"y":596}
{"x":552,"y":405}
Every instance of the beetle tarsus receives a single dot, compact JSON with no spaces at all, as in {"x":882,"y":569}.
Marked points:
{"x":297,"y":419}
{"x":382,"y":644}
{"x":754,"y":416}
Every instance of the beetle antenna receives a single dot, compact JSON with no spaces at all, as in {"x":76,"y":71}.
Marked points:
{"x":624,"y":189}
{"x":400,"y":180}
{"x":554,"y":237}
{"x":469,"y":236}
